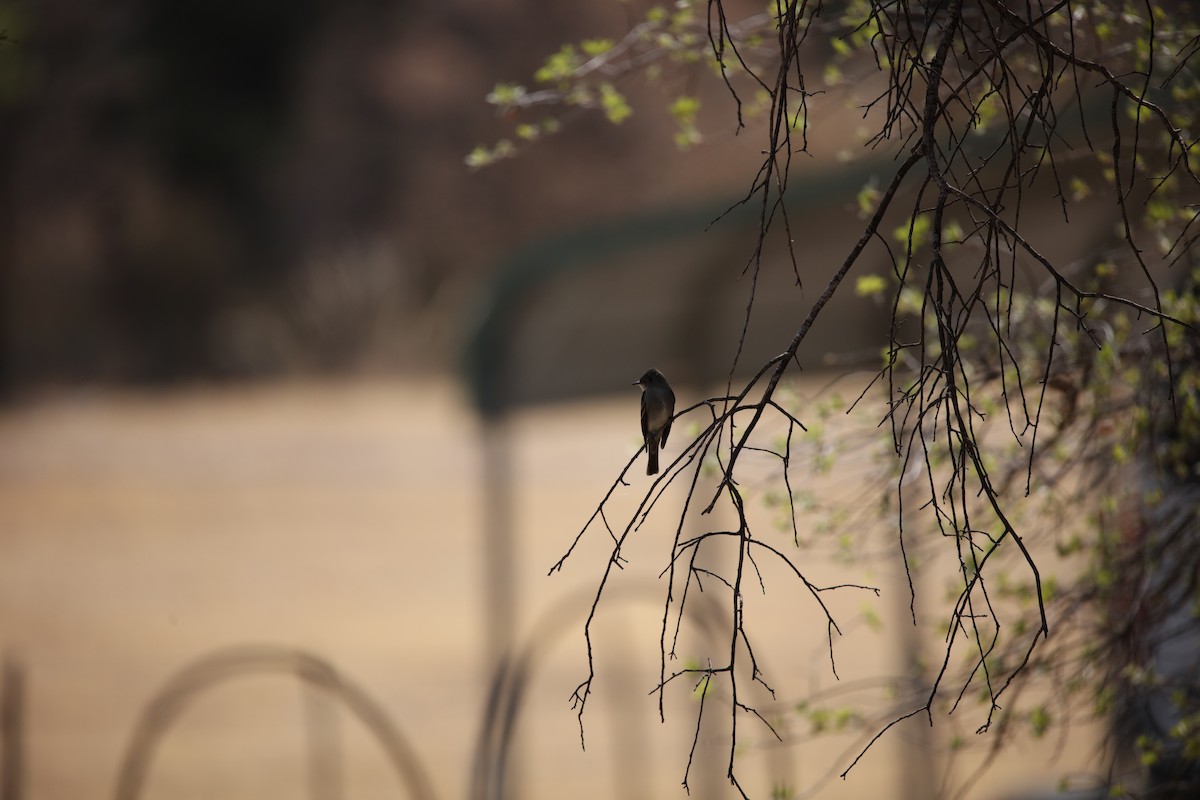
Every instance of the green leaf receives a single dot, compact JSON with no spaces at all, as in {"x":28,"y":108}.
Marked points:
{"x":482,"y":156}
{"x":871,"y":617}
{"x":986,"y":111}
{"x":507,"y":94}
{"x":868,"y":197}
{"x":596,"y":47}
{"x":479,"y":157}
{"x":870,"y":286}
{"x":559,"y":67}
{"x":1039,"y":718}
{"x":684,"y":108}
{"x":919,"y":227}
{"x":781,"y":791}
{"x":1148,"y":749}
{"x":1079,"y":188}
{"x":616,"y":108}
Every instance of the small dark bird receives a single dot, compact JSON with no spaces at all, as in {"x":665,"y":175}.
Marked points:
{"x":658,"y":409}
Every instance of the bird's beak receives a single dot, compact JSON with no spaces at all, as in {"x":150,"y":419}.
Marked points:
{"x":636,"y":383}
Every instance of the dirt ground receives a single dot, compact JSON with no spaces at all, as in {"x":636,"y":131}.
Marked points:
{"x":141,"y":532}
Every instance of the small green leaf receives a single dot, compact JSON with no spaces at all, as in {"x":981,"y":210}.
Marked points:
{"x":507,"y":94}
{"x":596,"y":47}
{"x":616,"y":108}
{"x":986,"y":111}
{"x":871,"y":617}
{"x":479,"y":157}
{"x":870,"y":286}
{"x":1039,"y":718}
{"x":919,"y":227}
{"x":559,"y":67}
{"x":868,"y":196}
{"x":684,"y":108}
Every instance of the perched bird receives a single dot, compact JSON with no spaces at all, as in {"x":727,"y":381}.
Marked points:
{"x":658,"y":408}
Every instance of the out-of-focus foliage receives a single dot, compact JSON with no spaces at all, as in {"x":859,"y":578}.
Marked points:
{"x":668,"y":39}
{"x":174,"y":177}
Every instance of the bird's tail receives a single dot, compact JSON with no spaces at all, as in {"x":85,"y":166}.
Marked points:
{"x":651,"y":458}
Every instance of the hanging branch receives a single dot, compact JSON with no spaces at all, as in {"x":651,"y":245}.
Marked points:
{"x":946,"y":66}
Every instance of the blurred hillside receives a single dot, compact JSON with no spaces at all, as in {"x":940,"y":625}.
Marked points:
{"x":220,"y":189}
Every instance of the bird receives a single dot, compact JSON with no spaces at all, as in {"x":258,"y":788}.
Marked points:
{"x":658,"y":410}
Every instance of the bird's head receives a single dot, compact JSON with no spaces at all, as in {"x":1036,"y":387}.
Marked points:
{"x":650,"y":377}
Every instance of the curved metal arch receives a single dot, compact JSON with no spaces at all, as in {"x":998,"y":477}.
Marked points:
{"x":224,"y":665}
{"x":514,"y":672}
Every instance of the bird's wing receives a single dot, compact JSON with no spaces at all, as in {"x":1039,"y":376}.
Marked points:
{"x":662,"y":440}
{"x":645,"y":420}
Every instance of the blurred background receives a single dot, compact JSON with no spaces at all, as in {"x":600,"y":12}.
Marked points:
{"x":300,"y":410}
{"x":221,"y":190}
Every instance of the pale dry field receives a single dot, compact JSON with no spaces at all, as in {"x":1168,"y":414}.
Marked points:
{"x":140,"y":532}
